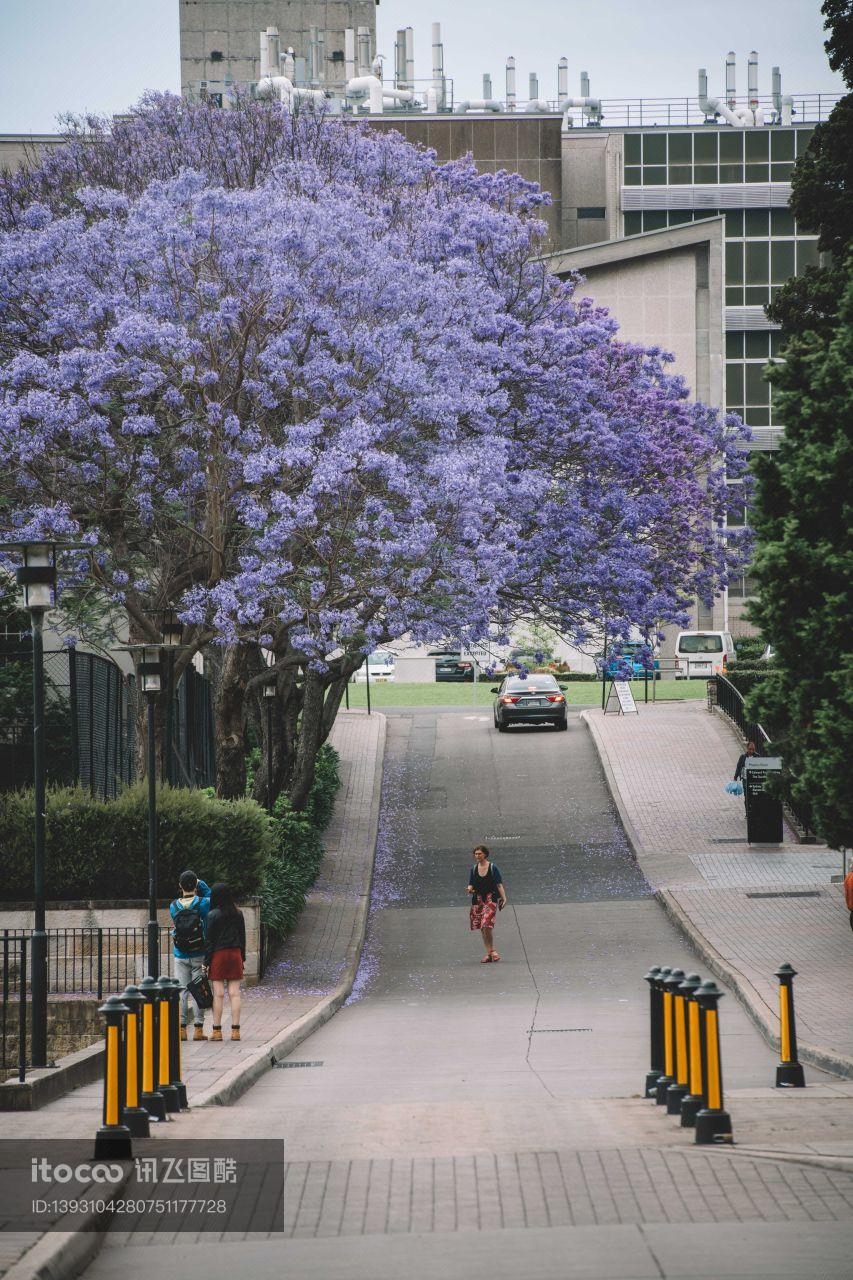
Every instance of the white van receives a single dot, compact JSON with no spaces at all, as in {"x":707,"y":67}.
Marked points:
{"x":703,"y":653}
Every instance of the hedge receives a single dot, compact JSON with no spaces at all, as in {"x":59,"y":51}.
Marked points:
{"x":298,"y":847}
{"x":99,"y":848}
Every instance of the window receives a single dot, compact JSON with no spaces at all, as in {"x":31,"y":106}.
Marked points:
{"x":697,"y":643}
{"x":782,"y":260}
{"x":782,"y":144}
{"x":592,"y":211}
{"x":731,"y":148}
{"x":807,"y":255}
{"x":633,"y":224}
{"x":705,"y":148}
{"x":755,"y":223}
{"x":680,"y":148}
{"x":757,"y":262}
{"x":757,"y":145}
{"x":633,"y":142}
{"x":654,"y":148}
{"x":734,"y":262}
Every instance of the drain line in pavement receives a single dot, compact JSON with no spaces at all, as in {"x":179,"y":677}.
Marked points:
{"x":532,"y":1031}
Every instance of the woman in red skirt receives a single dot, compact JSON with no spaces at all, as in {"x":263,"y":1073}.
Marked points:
{"x":225,"y":955}
{"x":488,"y":896}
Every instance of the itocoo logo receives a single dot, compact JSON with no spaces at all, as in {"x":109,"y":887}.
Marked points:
{"x":43,"y":1171}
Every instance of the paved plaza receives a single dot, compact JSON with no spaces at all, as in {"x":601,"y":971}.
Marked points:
{"x":455,"y":1119}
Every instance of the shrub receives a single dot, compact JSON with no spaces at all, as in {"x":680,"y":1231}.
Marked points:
{"x":298,"y":848}
{"x":746,"y":680}
{"x":749,"y":648}
{"x":99,"y":848}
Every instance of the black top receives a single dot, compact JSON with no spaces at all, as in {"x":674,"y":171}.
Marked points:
{"x":486,"y":886}
{"x":740,"y":764}
{"x":224,"y":931}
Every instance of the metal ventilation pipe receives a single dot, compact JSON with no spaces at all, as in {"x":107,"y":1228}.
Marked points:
{"x":487,"y":86}
{"x":752,"y":79}
{"x":273,"y":50}
{"x":731,"y":91}
{"x":510,"y":84}
{"x":438,"y":64}
{"x":349,"y":53}
{"x":533,"y":91}
{"x":562,"y":81}
{"x":363,"y":46}
{"x":321,"y":57}
{"x":313,"y":60}
{"x":400,"y":59}
{"x":704,"y":104}
{"x":777,"y":90}
{"x":410,"y":58}
{"x":584,"y":84}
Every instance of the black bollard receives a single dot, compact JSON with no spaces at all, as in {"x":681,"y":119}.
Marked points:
{"x":112,"y":1141}
{"x":713,"y":1122}
{"x":695,"y":1100}
{"x":789,"y":1073}
{"x":151,"y":1098}
{"x":175,"y":1043}
{"x":655,"y":1032}
{"x":135,"y":1116}
{"x":668,"y":1076}
{"x":163,"y":990}
{"x":678,"y":1090}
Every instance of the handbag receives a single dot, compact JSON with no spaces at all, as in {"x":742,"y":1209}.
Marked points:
{"x":201,"y":992}
{"x":734,"y":788}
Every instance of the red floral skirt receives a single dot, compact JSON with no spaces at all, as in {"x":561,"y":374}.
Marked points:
{"x":226,"y":965}
{"x":483,"y":914}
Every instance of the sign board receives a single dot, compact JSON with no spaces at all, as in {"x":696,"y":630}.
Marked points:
{"x":620,"y":699}
{"x":763,"y":810}
{"x":481,"y":653}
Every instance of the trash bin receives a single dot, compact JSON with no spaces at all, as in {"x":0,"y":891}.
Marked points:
{"x":763,"y":809}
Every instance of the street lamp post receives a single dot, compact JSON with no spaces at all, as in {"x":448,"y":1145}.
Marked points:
{"x":151,"y":680}
{"x":270,"y":692}
{"x":37,"y":576}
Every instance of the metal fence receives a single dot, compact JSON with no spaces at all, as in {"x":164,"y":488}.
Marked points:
{"x":90,"y":719}
{"x":80,"y":962}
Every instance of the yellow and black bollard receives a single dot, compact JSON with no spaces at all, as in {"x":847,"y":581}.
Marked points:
{"x":163,"y":989}
{"x":679,"y":1089}
{"x":655,"y":1032}
{"x":713,"y":1122}
{"x":694,"y":1100}
{"x":676,"y":977}
{"x":135,"y":1116}
{"x":789,"y":1073}
{"x":175,"y":1043}
{"x":151,"y":1098}
{"x":112,"y":1141}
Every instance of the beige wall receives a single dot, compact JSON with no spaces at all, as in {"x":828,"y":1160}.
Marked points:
{"x":654,"y":300}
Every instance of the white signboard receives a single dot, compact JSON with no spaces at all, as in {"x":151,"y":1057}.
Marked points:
{"x":620,"y":699}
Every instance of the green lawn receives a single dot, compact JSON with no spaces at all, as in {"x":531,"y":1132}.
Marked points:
{"x":582,"y":693}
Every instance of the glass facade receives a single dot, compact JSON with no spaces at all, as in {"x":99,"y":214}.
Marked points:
{"x":763,"y":247}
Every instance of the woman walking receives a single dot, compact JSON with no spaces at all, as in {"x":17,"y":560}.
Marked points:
{"x":225,"y":955}
{"x":488,"y":896}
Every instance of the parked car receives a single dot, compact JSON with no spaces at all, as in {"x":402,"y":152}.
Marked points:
{"x":381,"y":664}
{"x":450,"y":665}
{"x":703,"y":653}
{"x":633,"y":653}
{"x":535,"y":699}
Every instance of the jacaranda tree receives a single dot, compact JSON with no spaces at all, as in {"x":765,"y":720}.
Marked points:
{"x":317,"y":390}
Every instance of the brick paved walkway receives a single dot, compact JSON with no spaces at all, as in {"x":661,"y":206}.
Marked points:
{"x":747,"y":908}
{"x":305,"y":983}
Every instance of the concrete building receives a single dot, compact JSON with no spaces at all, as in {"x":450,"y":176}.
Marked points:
{"x":219,"y":39}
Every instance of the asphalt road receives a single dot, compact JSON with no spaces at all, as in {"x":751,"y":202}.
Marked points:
{"x":464,"y":1120}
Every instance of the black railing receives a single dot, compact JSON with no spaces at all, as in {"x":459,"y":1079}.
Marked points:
{"x":80,"y":962}
{"x":730,"y":701}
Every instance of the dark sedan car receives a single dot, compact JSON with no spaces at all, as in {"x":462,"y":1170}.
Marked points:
{"x":450,"y":665}
{"x":536,"y":699}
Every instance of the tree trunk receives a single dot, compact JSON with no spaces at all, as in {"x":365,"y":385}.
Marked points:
{"x":284,"y":720}
{"x":239,"y":663}
{"x":310,"y":739}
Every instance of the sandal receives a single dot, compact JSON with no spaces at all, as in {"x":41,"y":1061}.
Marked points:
{"x":487,"y":959}
{"x":493,"y":955}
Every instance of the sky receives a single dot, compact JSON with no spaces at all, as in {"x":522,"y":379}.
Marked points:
{"x":101,"y":55}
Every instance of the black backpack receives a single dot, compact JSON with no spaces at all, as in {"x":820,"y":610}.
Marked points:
{"x":189,"y":930}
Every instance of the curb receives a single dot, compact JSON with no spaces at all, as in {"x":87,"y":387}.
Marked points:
{"x":243,"y":1076}
{"x":59,"y":1255}
{"x":747,"y":996}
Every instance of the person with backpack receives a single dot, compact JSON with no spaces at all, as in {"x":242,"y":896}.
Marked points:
{"x":225,"y":955}
{"x":488,"y":896}
{"x":189,"y":913}
{"x":848,"y":894}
